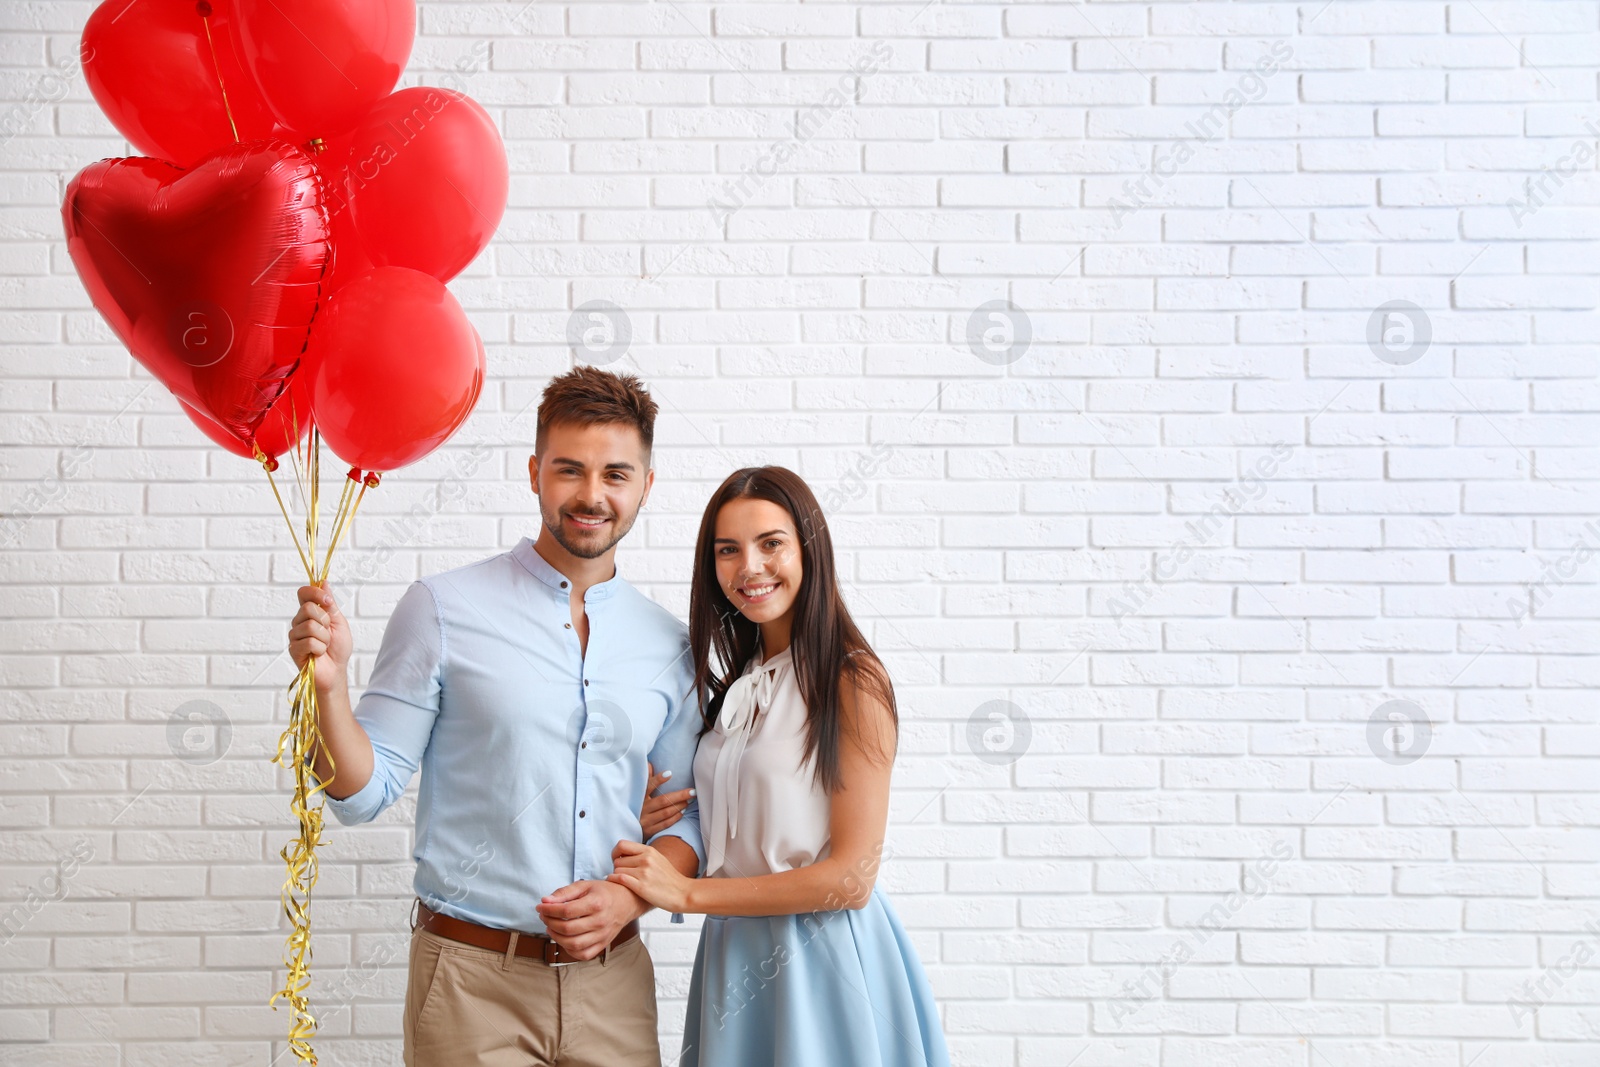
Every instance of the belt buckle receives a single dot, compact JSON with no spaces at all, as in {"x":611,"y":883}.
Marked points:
{"x":604,"y":956}
{"x":559,"y":963}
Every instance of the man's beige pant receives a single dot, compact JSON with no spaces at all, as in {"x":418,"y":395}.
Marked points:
{"x":473,"y":1007}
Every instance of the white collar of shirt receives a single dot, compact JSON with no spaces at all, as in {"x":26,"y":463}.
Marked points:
{"x":536,"y":565}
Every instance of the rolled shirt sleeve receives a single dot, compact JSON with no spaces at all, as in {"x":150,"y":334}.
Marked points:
{"x":399,"y":707}
{"x":674,"y":750}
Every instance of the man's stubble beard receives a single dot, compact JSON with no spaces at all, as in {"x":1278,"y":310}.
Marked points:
{"x":557,"y":531}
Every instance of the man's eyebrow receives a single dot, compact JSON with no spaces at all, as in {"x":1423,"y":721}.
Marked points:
{"x":617,"y":465}
{"x":734,"y":541}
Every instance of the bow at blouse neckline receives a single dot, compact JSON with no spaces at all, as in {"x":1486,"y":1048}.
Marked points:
{"x":753,"y":689}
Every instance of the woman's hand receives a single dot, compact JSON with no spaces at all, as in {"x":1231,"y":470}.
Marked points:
{"x":650,"y":875}
{"x":660,"y":812}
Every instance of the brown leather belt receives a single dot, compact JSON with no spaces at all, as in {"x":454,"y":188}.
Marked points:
{"x":534,"y":946}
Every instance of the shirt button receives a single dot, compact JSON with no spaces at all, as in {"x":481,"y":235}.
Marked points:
{"x":586,"y":681}
{"x":568,"y":625}
{"x":563,"y":585}
{"x":584,"y":745}
{"x":581,"y":814}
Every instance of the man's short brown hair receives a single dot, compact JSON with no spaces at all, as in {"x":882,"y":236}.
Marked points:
{"x":585,"y":396}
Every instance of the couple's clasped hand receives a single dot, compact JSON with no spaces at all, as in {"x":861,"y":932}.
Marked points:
{"x":583,"y":917}
{"x":649,"y":875}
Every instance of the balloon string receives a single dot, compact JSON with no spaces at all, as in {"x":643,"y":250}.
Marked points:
{"x":311,"y":496}
{"x":338,"y":518}
{"x":297,"y":749}
{"x":343,"y":522}
{"x":294,"y":459}
{"x":205,"y":20}
{"x":302,"y":737}
{"x":274,"y":483}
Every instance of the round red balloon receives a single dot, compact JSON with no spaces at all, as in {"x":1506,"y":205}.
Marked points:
{"x":321,"y":64}
{"x":426,"y":179}
{"x":283,"y":428}
{"x":149,"y":66}
{"x":398,"y":368}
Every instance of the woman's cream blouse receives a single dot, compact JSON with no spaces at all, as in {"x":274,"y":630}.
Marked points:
{"x":760,"y":810}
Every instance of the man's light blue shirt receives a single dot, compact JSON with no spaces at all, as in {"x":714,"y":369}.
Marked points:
{"x":532,"y":751}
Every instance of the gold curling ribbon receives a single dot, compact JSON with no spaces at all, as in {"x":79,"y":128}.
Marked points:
{"x":303,"y":738}
{"x":203,"y":9}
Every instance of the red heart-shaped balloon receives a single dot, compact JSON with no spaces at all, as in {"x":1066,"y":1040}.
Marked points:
{"x":283,"y":428}
{"x":211,"y":275}
{"x":167,"y":73}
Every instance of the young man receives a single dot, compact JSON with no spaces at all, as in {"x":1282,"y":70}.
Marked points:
{"x":533,"y":687}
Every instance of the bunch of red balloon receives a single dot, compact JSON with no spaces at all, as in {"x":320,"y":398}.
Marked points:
{"x":279,"y":255}
{"x":277,"y":259}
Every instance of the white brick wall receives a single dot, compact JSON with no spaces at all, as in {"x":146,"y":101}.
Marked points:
{"x":1199,"y":532}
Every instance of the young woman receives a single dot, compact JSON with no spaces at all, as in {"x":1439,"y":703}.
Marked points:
{"x":802,"y":962}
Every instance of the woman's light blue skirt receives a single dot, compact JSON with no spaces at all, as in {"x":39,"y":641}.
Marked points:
{"x":821,"y":989}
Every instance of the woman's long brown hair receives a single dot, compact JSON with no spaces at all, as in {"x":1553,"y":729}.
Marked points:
{"x":824,"y":640}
